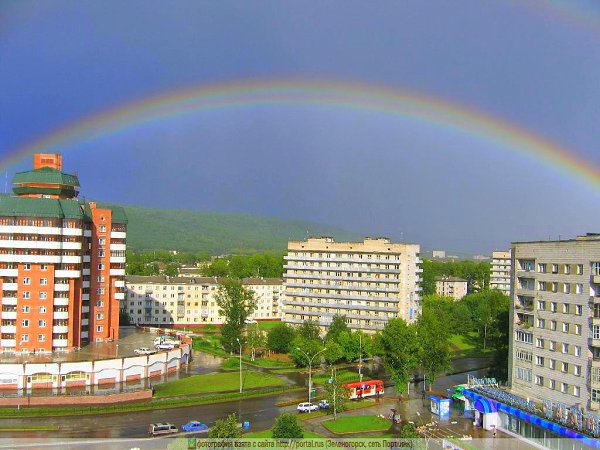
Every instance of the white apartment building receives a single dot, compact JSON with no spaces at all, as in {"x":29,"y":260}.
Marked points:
{"x":454,"y":287}
{"x":555,"y":344}
{"x":369,"y":282}
{"x":500,"y":276}
{"x":189,"y":302}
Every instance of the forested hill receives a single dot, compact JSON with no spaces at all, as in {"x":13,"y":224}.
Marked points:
{"x":217,"y":233}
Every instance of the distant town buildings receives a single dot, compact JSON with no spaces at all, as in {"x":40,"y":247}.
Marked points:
{"x":501,"y":271}
{"x":369,"y":282}
{"x":62,"y":263}
{"x":439,"y":254}
{"x":190,"y":301}
{"x":555,"y":342}
{"x":454,"y":287}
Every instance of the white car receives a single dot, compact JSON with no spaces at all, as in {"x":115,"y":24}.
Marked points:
{"x":144,"y":351}
{"x":307,"y":407}
{"x":167,"y":346}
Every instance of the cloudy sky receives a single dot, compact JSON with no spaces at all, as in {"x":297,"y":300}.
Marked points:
{"x":534,"y":65}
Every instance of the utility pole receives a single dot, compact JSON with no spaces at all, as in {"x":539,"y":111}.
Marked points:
{"x":310,"y":359}
{"x":238,"y":341}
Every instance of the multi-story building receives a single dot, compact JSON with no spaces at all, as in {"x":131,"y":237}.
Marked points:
{"x":190,"y":301}
{"x":438,"y":254}
{"x":62,"y":263}
{"x":500,"y":271}
{"x":555,"y":343}
{"x":454,"y":287}
{"x":369,"y":282}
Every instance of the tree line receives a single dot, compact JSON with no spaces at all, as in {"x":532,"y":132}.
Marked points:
{"x":476,"y":274}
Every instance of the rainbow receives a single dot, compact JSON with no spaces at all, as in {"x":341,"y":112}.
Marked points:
{"x":339,"y":94}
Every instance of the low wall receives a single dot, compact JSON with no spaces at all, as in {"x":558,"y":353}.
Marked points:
{"x":27,"y":377}
{"x":76,"y":400}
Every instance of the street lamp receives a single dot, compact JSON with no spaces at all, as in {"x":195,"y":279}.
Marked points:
{"x":310,"y":360}
{"x":240,"y":344}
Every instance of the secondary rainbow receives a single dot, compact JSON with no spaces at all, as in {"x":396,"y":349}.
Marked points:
{"x":363,"y":97}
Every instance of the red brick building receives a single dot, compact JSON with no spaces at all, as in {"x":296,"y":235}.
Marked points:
{"x":62,"y":263}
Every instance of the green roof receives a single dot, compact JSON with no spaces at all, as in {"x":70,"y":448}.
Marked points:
{"x":54,"y":208}
{"x":46,"y":175}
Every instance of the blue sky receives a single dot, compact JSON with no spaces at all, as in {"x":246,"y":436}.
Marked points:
{"x":535,"y":64}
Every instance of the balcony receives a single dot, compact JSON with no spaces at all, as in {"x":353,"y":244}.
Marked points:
{"x":118,"y":235}
{"x":86,"y":258}
{"x":118,"y":247}
{"x":61,"y":315}
{"x":58,"y":301}
{"x":10,"y":286}
{"x":120,"y":295}
{"x":85,"y":271}
{"x":7,"y":343}
{"x":85,"y":297}
{"x":87,"y":233}
{"x":85,"y":322}
{"x":85,"y":284}
{"x":85,"y":309}
{"x":62,"y":287}
{"x":117,"y":272}
{"x":347,"y":287}
{"x":117,"y":259}
{"x":120,"y":283}
{"x":10,"y":315}
{"x":9,"y":301}
{"x":594,"y":342}
{"x":67,"y":273}
{"x":10,"y":329}
{"x":340,"y":269}
{"x":60,"y":343}
{"x":60,"y":329}
{"x":84,"y":335}
{"x":343,"y":260}
{"x":9,"y":272}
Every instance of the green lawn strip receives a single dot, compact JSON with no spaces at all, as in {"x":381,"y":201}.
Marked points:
{"x":268,"y":363}
{"x":466,"y":346}
{"x":357,"y":424}
{"x":343,"y":375}
{"x":268,"y":434}
{"x":216,"y":382}
{"x":349,"y":406}
{"x":231,"y":364}
{"x":268,"y":324}
{"x":28,"y":428}
{"x":165,"y":403}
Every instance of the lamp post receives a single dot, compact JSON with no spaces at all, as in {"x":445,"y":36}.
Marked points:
{"x":310,"y":360}
{"x":240,"y":344}
{"x":360,"y":364}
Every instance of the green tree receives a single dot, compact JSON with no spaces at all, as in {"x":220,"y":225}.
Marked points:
{"x":337,"y":326}
{"x":255,"y":338}
{"x":225,"y":428}
{"x":334,"y":352}
{"x":309,"y":329}
{"x":218,"y":268}
{"x":302,"y":346}
{"x":434,"y":353}
{"x":280,"y":337}
{"x":499,"y":368}
{"x":287,"y":427}
{"x":172,"y":270}
{"x":235,"y":303}
{"x":336,"y":394}
{"x":400,"y":348}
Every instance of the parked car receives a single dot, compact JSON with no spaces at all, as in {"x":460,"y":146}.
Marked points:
{"x":323,"y":404}
{"x":157,"y":429}
{"x":194,"y":425}
{"x":167,"y":346}
{"x":144,"y":351}
{"x":307,"y":407}
{"x":165,"y":338}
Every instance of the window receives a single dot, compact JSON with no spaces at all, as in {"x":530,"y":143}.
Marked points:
{"x":27,"y":281}
{"x":542,"y":267}
{"x":596,"y":331}
{"x":539,"y":343}
{"x":552,"y":346}
{"x":99,"y":316}
{"x":564,"y":387}
{"x":26,"y":266}
{"x":25,"y":323}
{"x":565,"y":348}
{"x":99,"y":328}
{"x":552,"y":384}
{"x":102,"y":229}
{"x":553,"y":325}
{"x":567,"y":288}
{"x":42,"y":309}
{"x":541,"y":323}
{"x":576,"y":391}
{"x":100,"y":266}
{"x":564,"y":367}
{"x":523,"y":355}
{"x":595,"y":374}
{"x":567,"y":269}
{"x":577,"y":350}
{"x":25,"y":309}
{"x":100,"y":253}
{"x":522,"y":373}
{"x":41,"y":338}
{"x":596,"y":395}
{"x":42,"y":323}
{"x":579,"y":269}
{"x":100,"y":291}
{"x":43,"y":295}
{"x":566,"y":308}
{"x":554,"y":286}
{"x":565,"y":327}
{"x":554,"y":268}
{"x":553,"y":306}
{"x":43,"y":267}
{"x":24,"y":338}
{"x":541,"y":305}
{"x":578,"y":310}
{"x":552,"y":364}
{"x":541,"y":286}
{"x":43,"y":281}
{"x":26,"y":294}
{"x":579,"y":288}
{"x":539,"y":360}
{"x":577,"y":370}
{"x":99,"y":303}
{"x":100,"y":279}
{"x":539,"y":380}
{"x":521,"y":336}
{"x":578,"y":330}
{"x":101,"y":241}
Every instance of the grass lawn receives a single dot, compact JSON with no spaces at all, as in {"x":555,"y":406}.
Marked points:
{"x":349,"y":405}
{"x":345,"y":375}
{"x":357,"y":424}
{"x":209,"y":344}
{"x":269,"y":434}
{"x":268,"y":324}
{"x":231,"y":364}
{"x":29,"y":428}
{"x":216,"y":382}
{"x":269,"y":363}
{"x":467,"y":346}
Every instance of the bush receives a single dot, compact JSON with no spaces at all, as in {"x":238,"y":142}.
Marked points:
{"x":287,"y":427}
{"x":280,"y":337}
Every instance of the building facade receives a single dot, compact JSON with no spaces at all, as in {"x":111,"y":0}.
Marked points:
{"x":369,"y":282}
{"x":555,"y":343}
{"x":501,"y":271}
{"x":62,"y":263}
{"x":190,"y":302}
{"x":451,"y":287}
